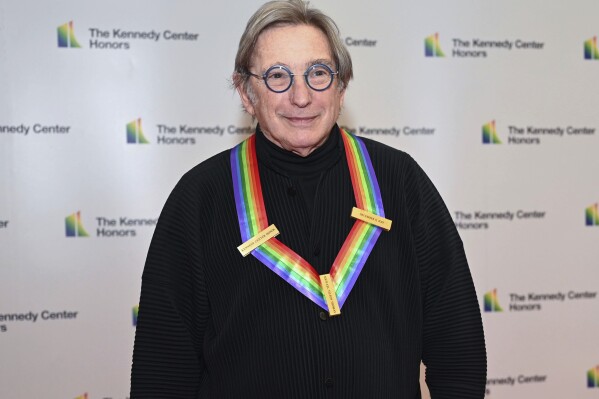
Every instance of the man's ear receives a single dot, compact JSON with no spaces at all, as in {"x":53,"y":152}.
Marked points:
{"x":246,"y":99}
{"x":341,"y":98}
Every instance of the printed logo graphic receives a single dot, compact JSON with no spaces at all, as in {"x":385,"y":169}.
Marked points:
{"x":593,"y":378}
{"x":432,"y":48}
{"x":135,"y":134}
{"x":590,"y":49}
{"x":66,"y":36}
{"x":491,"y":302}
{"x":592,"y":215}
{"x":490,"y":134}
{"x":135,"y":313}
{"x":74,"y":227}
{"x":84,"y":396}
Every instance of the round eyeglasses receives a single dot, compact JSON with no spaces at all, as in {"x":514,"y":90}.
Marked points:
{"x":279,"y":78}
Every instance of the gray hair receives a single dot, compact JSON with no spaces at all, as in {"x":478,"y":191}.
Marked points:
{"x":290,"y":12}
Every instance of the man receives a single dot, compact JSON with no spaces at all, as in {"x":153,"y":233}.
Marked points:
{"x":333,"y":307}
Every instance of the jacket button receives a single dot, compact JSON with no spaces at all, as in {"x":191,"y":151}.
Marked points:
{"x":328,"y":382}
{"x":323,"y":315}
{"x":316,"y":251}
{"x":291,"y":191}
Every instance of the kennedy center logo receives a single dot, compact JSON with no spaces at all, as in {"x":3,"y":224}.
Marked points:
{"x":135,"y":134}
{"x":74,"y":227}
{"x":491,"y":302}
{"x":593,"y":377}
{"x":432,"y":48}
{"x":592,"y":215}
{"x":135,"y":314}
{"x":66,"y":36}
{"x":590,"y":49}
{"x":490,"y":134}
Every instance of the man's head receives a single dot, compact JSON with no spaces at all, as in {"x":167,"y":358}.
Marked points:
{"x":291,"y":35}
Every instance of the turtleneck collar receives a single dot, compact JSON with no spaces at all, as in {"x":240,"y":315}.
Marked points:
{"x":293,"y":165}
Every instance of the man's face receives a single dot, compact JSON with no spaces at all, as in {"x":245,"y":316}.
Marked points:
{"x":299,"y":119}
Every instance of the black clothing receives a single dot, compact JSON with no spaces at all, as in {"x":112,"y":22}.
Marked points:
{"x":304,"y":172}
{"x":213,"y":324}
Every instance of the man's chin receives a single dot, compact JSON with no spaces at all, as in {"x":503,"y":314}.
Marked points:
{"x":306,"y":145}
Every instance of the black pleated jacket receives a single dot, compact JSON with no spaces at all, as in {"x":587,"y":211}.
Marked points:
{"x":213,"y":324}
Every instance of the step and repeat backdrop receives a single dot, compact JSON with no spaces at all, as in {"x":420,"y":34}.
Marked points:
{"x":104,"y":105}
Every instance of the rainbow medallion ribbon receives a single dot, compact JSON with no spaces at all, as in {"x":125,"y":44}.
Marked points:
{"x":283,"y":260}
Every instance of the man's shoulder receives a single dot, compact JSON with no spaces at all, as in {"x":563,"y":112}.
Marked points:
{"x":396,"y":168}
{"x":208,"y":167}
{"x":213,"y":171}
{"x":384,"y":154}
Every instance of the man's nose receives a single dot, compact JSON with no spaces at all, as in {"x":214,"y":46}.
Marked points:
{"x":301,"y":94}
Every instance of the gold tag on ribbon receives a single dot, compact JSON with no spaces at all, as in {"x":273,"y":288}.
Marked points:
{"x":371,"y":218}
{"x":328,"y":289}
{"x":247,"y":247}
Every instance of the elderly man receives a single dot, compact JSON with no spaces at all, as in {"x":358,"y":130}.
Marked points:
{"x":259,"y":283}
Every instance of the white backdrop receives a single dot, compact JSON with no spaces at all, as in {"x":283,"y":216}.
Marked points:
{"x":68,"y":292}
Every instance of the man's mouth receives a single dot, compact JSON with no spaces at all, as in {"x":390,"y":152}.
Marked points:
{"x":300,"y":120}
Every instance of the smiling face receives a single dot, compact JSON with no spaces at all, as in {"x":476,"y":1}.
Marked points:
{"x":300,"y":119}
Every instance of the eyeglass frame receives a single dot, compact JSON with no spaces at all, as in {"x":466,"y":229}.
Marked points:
{"x":292,"y":75}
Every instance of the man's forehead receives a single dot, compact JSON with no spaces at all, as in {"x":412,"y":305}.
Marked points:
{"x":293,"y":46}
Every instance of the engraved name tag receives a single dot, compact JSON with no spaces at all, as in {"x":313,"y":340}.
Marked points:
{"x":328,"y":289}
{"x":247,"y":247}
{"x":371,"y":218}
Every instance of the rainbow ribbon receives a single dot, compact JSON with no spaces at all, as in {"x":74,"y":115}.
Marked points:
{"x":283,"y":260}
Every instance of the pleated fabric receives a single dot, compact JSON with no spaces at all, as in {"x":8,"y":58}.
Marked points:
{"x":213,"y":324}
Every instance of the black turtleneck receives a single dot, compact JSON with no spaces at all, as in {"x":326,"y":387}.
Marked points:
{"x":306,"y":172}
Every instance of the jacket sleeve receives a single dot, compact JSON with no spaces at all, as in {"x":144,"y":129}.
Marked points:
{"x":173,"y":309}
{"x":453,"y":339}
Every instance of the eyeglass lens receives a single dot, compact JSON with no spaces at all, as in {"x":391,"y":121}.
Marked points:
{"x":278,"y":78}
